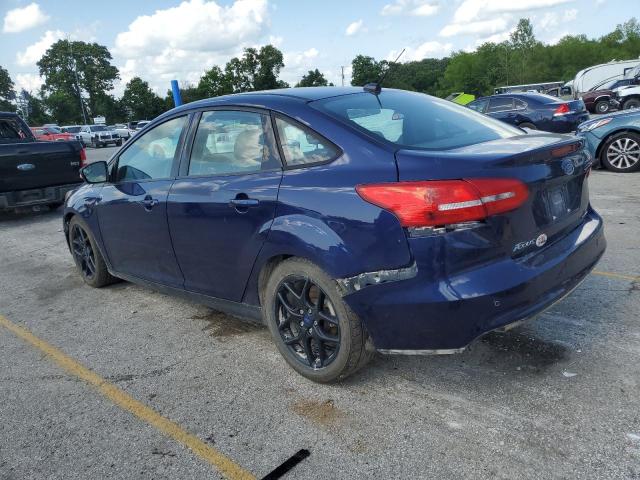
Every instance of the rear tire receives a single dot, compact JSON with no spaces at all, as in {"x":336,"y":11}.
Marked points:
{"x":300,"y":337}
{"x":86,"y":255}
{"x":528,"y":125}
{"x":602,"y":106}
{"x":631,"y":103}
{"x":621,"y":152}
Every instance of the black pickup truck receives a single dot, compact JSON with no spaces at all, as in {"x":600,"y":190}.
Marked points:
{"x":34,"y":173}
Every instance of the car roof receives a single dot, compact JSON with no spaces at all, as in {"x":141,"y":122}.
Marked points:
{"x":522,"y":95}
{"x":270,"y":97}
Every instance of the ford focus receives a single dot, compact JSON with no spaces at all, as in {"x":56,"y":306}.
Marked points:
{"x":348,"y":220}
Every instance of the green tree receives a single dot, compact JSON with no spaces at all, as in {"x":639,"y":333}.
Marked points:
{"x":313,"y":78}
{"x":95,"y":72}
{"x":34,"y":110}
{"x":6,"y":91}
{"x":140,"y":102}
{"x":256,"y":70}
{"x":524,"y":42}
{"x":111,"y":108}
{"x":365,"y":70}
{"x":214,"y":83}
{"x":63,"y":108}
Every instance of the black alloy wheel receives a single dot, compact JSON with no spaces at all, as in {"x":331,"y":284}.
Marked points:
{"x":307,"y":321}
{"x":83,"y":252}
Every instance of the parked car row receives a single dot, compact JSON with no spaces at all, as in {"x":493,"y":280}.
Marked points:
{"x":613,"y":139}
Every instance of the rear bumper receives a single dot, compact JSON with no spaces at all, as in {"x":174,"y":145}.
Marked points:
{"x":35,"y":196}
{"x":568,"y":123}
{"x":443,"y":315}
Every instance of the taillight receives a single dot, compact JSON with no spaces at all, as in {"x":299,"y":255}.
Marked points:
{"x":444,"y":202}
{"x":83,"y":157}
{"x":562,"y":110}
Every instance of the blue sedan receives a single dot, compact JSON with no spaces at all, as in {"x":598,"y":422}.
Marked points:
{"x":348,"y":220}
{"x":534,"y":111}
{"x":614,"y":140}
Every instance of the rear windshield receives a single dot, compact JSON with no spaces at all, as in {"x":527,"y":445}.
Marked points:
{"x":71,"y":129}
{"x":415,"y":120}
{"x":98,"y":128}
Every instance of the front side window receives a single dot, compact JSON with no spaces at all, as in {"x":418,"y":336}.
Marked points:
{"x":426,"y":122}
{"x":151,"y":156}
{"x":230,"y":142}
{"x":301,"y":146}
{"x":13,"y":130}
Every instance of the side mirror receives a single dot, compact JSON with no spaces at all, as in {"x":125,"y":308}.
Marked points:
{"x":95,"y":172}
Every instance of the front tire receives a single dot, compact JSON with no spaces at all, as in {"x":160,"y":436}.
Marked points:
{"x":87,"y":257}
{"x":314,"y":329}
{"x":621,"y":152}
{"x":602,"y":106}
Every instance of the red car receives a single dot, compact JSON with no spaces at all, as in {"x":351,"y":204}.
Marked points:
{"x":51,"y":134}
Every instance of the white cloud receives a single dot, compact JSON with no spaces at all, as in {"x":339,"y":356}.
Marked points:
{"x":195,"y":25}
{"x":474,"y":10}
{"x":182,"y":42}
{"x":482,"y":27}
{"x":296,"y":64}
{"x":495,"y":38}
{"x":34,"y":52}
{"x":353,"y":28}
{"x":420,"y":8}
{"x":426,"y":50}
{"x":570,"y":15}
{"x":21,"y":19}
{"x":31,"y":82}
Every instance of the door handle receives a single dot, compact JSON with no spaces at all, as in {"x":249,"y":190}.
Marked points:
{"x":244,"y":202}
{"x":149,"y":202}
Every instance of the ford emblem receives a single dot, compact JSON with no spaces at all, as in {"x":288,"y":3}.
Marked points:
{"x":541,"y":240}
{"x":567,"y":166}
{"x":26,"y":166}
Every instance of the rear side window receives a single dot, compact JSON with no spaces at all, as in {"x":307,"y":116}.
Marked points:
{"x":414,"y":120}
{"x":151,"y":155}
{"x":500,"y":104}
{"x":301,"y":146}
{"x":520,"y":105}
{"x":229,"y":142}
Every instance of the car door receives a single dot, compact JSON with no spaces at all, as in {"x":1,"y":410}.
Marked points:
{"x":503,"y":109}
{"x":132,"y":212}
{"x":221,"y":207}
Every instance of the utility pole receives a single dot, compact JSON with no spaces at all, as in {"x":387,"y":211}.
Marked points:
{"x":342,"y":70}
{"x":75,"y":72}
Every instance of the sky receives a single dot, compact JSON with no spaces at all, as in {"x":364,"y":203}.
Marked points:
{"x":169,"y":39}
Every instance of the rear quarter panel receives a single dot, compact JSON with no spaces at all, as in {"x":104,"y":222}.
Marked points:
{"x":320,"y":217}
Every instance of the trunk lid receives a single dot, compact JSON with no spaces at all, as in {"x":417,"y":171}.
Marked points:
{"x":32,"y":165}
{"x":554,"y":168}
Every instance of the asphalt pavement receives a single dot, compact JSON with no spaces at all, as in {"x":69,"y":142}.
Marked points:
{"x":555,"y":398}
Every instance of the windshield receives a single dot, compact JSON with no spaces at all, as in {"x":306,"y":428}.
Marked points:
{"x":98,"y":128}
{"x":53,"y":130}
{"x":71,"y":129}
{"x":415,"y":120}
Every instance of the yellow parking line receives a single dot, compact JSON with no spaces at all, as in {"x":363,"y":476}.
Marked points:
{"x":619,"y":276}
{"x":225,"y":465}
